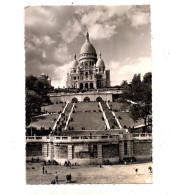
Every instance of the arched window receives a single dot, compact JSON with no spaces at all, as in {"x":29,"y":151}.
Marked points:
{"x":74,"y":100}
{"x":86,"y":74}
{"x":86,"y":85}
{"x":98,"y":99}
{"x":86,"y":99}
{"x":81,"y":85}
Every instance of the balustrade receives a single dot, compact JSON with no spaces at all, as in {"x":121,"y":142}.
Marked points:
{"x":91,"y":137}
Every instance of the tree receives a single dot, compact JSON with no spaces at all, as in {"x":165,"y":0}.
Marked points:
{"x":124,"y":83}
{"x":33,"y":105}
{"x":139,"y":92}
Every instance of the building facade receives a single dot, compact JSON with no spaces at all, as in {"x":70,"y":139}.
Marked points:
{"x":89,"y":72}
{"x":45,"y":79}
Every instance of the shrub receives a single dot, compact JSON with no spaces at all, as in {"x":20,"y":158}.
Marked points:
{"x":54,"y":162}
{"x":49,"y":162}
{"x":119,"y":117}
{"x":115,"y":123}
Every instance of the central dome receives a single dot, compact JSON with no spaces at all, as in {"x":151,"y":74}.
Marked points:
{"x":87,"y":50}
{"x":87,"y":47}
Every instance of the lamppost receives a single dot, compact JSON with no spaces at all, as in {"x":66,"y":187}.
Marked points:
{"x":31,"y":126}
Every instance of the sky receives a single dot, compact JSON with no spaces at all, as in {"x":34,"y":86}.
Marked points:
{"x":53,"y":34}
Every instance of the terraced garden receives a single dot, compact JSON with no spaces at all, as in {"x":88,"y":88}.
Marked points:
{"x":82,"y":107}
{"x":53,"y":108}
{"x":126,"y":120}
{"x":115,"y":105}
{"x":45,"y":121}
{"x":88,"y":120}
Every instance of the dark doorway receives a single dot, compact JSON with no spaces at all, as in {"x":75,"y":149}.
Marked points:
{"x":74,"y":100}
{"x":86,"y":85}
{"x":86,"y":99}
{"x":91,"y":85}
{"x":98,"y":99}
{"x":81,"y":85}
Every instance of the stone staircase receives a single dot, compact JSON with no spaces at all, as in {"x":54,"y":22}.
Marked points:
{"x":69,"y":116}
{"x":104,"y":115}
{"x":59,"y":117}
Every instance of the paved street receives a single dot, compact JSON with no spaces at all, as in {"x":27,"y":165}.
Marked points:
{"x":114,"y":174}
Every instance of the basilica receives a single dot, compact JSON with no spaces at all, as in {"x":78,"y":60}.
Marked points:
{"x":89,"y":72}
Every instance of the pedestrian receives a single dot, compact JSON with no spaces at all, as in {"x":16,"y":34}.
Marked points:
{"x":56,"y":177}
{"x":136,"y":170}
{"x":150,"y":169}
{"x":43,"y":169}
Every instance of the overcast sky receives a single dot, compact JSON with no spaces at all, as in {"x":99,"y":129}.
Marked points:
{"x":121,"y":33}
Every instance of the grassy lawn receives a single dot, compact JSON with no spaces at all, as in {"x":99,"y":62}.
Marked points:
{"x":89,"y":120}
{"x":111,"y":174}
{"x":53,"y":108}
{"x":115,"y":105}
{"x":87,"y":106}
{"x":45,"y":121}
{"x":127,"y":120}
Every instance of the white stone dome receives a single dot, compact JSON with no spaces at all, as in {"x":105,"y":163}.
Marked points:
{"x":87,"y":47}
{"x":74,"y":63}
{"x":87,"y":50}
{"x":100,"y":62}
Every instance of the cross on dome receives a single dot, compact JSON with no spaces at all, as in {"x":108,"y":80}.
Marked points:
{"x":100,"y":55}
{"x":74,"y":56}
{"x":87,"y":36}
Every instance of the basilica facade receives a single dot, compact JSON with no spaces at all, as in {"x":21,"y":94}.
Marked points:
{"x":89,"y":72}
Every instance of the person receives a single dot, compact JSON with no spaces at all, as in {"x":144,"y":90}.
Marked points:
{"x":150,"y":169}
{"x":136,"y":170}
{"x":56,"y":177}
{"x":68,"y":177}
{"x":43,"y":169}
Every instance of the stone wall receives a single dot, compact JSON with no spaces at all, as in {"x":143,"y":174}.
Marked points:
{"x":87,"y":151}
{"x":109,"y":151}
{"x":33,"y":149}
{"x":92,"y":96}
{"x":61,"y":152}
{"x":142,"y":148}
{"x":55,"y":99}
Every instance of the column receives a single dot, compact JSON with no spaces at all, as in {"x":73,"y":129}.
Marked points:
{"x":51,"y":151}
{"x":129,"y":145}
{"x":99,"y":153}
{"x":54,"y":154}
{"x":44,"y":149}
{"x":132,"y":148}
{"x":121,"y":150}
{"x":129,"y":148}
{"x":70,"y":153}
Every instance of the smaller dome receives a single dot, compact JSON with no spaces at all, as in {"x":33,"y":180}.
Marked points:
{"x":74,"y":63}
{"x":42,"y":74}
{"x":100,"y":62}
